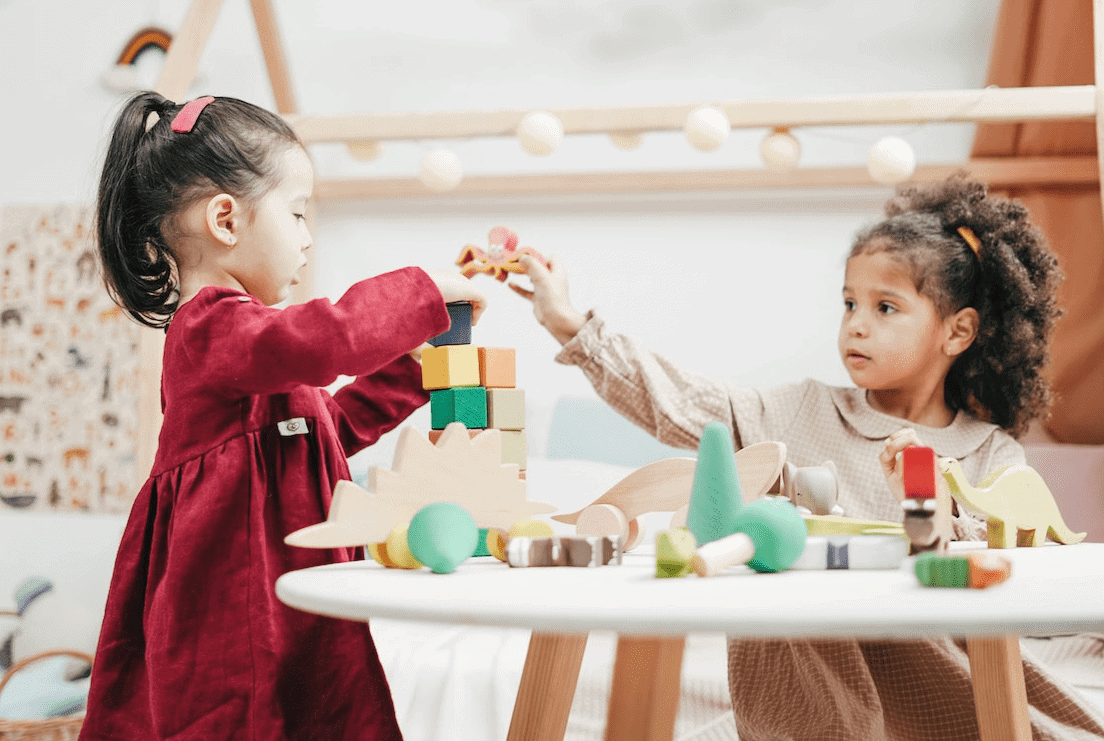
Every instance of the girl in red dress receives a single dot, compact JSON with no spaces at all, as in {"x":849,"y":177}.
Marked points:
{"x":201,"y":232}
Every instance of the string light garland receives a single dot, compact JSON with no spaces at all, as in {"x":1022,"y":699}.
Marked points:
{"x":780,"y":150}
{"x":441,"y":170}
{"x":539,"y":133}
{"x":707,"y":128}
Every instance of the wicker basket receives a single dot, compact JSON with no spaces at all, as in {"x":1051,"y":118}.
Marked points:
{"x":66,"y":728}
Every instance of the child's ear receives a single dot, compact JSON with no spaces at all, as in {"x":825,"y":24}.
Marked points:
{"x":962,"y":329}
{"x":223,"y":218}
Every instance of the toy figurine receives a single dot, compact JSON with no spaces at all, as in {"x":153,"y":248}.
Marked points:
{"x":500,"y":258}
{"x":927,"y":504}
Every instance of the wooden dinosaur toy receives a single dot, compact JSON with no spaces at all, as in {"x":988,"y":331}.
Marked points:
{"x":1016,"y":502}
{"x":664,"y":486}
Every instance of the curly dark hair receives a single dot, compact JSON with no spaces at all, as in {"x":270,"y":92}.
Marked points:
{"x":1011,"y":282}
{"x":151,"y":175}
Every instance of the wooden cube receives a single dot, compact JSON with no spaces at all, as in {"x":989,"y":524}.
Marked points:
{"x":918,"y":474}
{"x":449,"y":366}
{"x":459,"y":331}
{"x":465,"y":404}
{"x":497,"y":367}
{"x":515,"y":449}
{"x":506,"y":409}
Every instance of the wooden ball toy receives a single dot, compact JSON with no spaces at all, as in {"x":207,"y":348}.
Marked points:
{"x":626,"y":140}
{"x":770,"y":536}
{"x":441,"y":170}
{"x":780,"y":150}
{"x":442,"y":536}
{"x":539,"y":133}
{"x":891,"y":161}
{"x":378,"y":553}
{"x":497,"y":540}
{"x":706,"y":128}
{"x":398,"y":549}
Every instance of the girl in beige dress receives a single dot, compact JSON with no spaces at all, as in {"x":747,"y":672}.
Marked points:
{"x":948,"y":307}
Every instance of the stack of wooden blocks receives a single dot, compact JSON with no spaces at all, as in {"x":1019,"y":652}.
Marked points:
{"x":475,"y":386}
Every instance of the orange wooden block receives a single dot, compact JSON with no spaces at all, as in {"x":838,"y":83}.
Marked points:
{"x":435,"y":435}
{"x":497,"y":367}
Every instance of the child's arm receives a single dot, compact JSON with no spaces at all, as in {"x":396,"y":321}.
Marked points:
{"x":375,"y":404}
{"x":241,"y":347}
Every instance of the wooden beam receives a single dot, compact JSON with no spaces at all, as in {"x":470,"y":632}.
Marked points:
{"x":268,"y":31}
{"x":997,"y":172}
{"x":989,"y":104}
{"x":182,"y":59}
{"x":547,"y":687}
{"x":644,"y":699}
{"x":1000,"y":694}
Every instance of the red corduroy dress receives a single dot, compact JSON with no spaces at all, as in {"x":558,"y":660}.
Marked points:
{"x":195,"y":645}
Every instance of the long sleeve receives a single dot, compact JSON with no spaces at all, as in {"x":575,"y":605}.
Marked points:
{"x":241,"y":347}
{"x":669,"y":403}
{"x":375,"y":404}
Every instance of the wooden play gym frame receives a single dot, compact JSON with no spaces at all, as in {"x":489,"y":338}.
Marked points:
{"x":1000,"y":694}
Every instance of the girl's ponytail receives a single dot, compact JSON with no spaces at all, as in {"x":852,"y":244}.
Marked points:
{"x":139,"y":267}
{"x":152,"y":173}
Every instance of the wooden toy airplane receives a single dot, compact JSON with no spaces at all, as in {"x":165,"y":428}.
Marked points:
{"x":664,"y":486}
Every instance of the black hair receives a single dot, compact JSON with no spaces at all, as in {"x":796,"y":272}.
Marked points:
{"x":1011,"y":282}
{"x":150,"y":176}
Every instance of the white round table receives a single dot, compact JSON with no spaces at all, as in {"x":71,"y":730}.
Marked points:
{"x":1053,"y":590}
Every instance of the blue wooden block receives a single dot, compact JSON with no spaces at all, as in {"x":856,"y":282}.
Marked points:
{"x":459,"y":332}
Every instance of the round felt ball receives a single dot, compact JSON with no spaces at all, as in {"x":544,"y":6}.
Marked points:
{"x":442,"y":536}
{"x":778,"y":531}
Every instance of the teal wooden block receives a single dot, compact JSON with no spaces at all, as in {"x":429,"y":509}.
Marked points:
{"x":715,"y":497}
{"x":465,"y":404}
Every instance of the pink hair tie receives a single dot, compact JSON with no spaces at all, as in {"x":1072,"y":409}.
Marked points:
{"x":183,"y":122}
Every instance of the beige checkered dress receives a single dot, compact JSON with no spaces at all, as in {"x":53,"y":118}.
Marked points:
{"x":832,"y":689}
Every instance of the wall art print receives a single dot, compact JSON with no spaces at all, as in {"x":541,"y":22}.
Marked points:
{"x":68,"y":369}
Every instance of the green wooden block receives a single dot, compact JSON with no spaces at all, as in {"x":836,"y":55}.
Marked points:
{"x":715,"y":495}
{"x":942,"y":571}
{"x":466,"y":404}
{"x":481,"y":548}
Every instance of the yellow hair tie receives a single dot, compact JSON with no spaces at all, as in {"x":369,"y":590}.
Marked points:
{"x":971,"y":239}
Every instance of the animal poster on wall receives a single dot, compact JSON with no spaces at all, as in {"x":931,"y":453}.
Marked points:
{"x":68,"y":369}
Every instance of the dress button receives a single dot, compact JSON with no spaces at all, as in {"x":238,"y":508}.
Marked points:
{"x":243,"y":299}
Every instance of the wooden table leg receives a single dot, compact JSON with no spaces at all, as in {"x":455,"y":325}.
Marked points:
{"x":645,"y":697}
{"x":1000,"y":695}
{"x":547,"y":687}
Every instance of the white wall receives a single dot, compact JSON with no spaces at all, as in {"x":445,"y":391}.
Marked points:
{"x":739,"y":286}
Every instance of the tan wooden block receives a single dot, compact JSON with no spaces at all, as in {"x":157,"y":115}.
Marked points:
{"x":449,"y":366}
{"x":515,"y":448}
{"x":506,"y":408}
{"x":497,"y":367}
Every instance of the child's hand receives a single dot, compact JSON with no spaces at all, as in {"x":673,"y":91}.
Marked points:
{"x":416,"y":353}
{"x":455,"y":287}
{"x":890,"y":458}
{"x":551,"y":306}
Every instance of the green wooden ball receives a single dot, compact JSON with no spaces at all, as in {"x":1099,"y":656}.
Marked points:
{"x":442,"y":536}
{"x":778,"y":531}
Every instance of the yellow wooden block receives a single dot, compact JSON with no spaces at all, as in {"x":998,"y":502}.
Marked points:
{"x":449,"y":366}
{"x":496,"y":543}
{"x":497,"y":367}
{"x":531,"y":529}
{"x":506,"y":409}
{"x":515,"y":449}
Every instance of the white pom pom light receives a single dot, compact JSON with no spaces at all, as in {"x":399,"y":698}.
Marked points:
{"x":540,"y":133}
{"x":441,"y":170}
{"x":706,"y":128}
{"x":780,"y":150}
{"x":891,"y":161}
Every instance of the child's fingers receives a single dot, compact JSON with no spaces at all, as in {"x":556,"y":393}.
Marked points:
{"x":523,"y":292}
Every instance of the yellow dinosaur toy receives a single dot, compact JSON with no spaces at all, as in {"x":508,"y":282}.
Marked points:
{"x":1017,"y":503}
